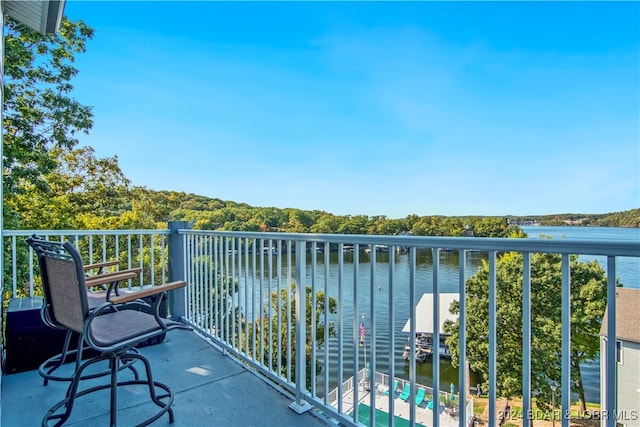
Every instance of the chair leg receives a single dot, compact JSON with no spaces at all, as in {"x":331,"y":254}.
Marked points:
{"x":70,"y":396}
{"x":116,"y":363}
{"x":152,"y":389}
{"x":56,"y":361}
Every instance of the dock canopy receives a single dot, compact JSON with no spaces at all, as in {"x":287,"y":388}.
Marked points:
{"x":424,"y":313}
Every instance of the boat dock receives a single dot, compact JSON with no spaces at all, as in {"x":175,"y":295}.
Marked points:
{"x":424,"y":327}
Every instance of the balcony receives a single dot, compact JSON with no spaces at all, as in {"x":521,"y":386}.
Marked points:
{"x":247,"y":359}
{"x":210,"y":389}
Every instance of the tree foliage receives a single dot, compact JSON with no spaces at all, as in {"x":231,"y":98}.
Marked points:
{"x":630,"y":218}
{"x":278,"y":334}
{"x":39,"y":114}
{"x":83,"y":191}
{"x":588,"y":302}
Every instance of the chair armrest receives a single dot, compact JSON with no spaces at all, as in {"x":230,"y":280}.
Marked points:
{"x":103,"y":279}
{"x":142,"y":293}
{"x":100,"y":265}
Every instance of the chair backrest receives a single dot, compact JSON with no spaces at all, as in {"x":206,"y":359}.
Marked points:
{"x":40,"y":246}
{"x":63,"y":282}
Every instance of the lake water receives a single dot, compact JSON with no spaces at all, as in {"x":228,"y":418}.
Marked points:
{"x":628,"y":271}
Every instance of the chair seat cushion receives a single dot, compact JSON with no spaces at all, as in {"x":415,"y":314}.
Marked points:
{"x":112,"y":328}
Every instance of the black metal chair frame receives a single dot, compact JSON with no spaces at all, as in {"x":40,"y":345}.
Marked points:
{"x":109,"y":282}
{"x":112,"y":330}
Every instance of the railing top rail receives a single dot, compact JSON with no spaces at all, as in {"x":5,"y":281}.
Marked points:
{"x":627,"y":248}
{"x":9,"y":233}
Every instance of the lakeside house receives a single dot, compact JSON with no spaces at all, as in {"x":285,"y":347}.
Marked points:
{"x":627,"y":356}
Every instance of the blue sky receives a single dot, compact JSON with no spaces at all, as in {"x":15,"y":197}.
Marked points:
{"x":427,"y":108}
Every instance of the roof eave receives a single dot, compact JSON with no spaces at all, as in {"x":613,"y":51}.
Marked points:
{"x":43,"y":16}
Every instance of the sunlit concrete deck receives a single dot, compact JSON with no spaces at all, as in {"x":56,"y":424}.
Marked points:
{"x":210,"y":388}
{"x":423,"y":415}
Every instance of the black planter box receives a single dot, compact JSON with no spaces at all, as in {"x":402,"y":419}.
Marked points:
{"x":29,"y":342}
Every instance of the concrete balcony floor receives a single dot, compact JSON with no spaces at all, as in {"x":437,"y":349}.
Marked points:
{"x":211,"y":389}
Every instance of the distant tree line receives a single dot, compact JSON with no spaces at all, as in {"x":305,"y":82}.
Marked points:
{"x":630,"y":218}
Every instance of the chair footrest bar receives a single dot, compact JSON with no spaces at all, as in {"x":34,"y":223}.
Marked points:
{"x":48,"y":368}
{"x":67,"y":403}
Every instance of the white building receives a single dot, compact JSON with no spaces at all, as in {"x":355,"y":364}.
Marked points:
{"x":425,"y":325}
{"x":627,"y":355}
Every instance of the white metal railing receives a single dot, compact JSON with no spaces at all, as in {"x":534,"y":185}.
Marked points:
{"x":146,"y":249}
{"x":233,"y":277}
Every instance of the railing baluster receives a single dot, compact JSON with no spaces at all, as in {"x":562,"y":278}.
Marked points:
{"x":371,"y":369}
{"x":299,"y":405}
{"x":261,"y":302}
{"x":232,"y":308}
{"x":412,"y":335}
{"x":492,"y":338}
{"x":435,"y":345}
{"x":611,"y":356}
{"x":152,"y":249}
{"x":526,"y":336}
{"x":392,"y":336}
{"x":340,"y":326}
{"x":254,"y":312}
{"x":356,"y":318}
{"x":188,"y":276}
{"x":314,"y":272}
{"x":246,"y":295}
{"x":462,"y":341}
{"x":300,"y":282}
{"x":14,"y":267}
{"x":566,"y":340}
{"x":141,"y":258}
{"x":326,"y":321}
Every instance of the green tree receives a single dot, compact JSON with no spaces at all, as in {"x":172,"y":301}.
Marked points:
{"x":327,"y":223}
{"x":39,"y":113}
{"x":358,"y":224}
{"x":588,"y":302}
{"x":281,"y":330}
{"x":81,"y":189}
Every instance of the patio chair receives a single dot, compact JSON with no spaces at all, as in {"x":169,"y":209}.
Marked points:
{"x":109,"y":285}
{"x":392,"y":390}
{"x":420,"y":396}
{"x":112,"y":330}
{"x":406,"y":391}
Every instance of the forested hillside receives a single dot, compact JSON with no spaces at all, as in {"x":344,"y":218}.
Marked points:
{"x":630,"y":218}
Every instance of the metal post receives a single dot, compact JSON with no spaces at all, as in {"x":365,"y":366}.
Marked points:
{"x":565,"y":394}
{"x":299,"y":405}
{"x":493,"y":350}
{"x":177,"y":271}
{"x":526,"y":337}
{"x":463,"y":375}
{"x":610,"y":353}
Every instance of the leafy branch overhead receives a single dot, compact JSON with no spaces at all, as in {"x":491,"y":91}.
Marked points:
{"x":39,"y":114}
